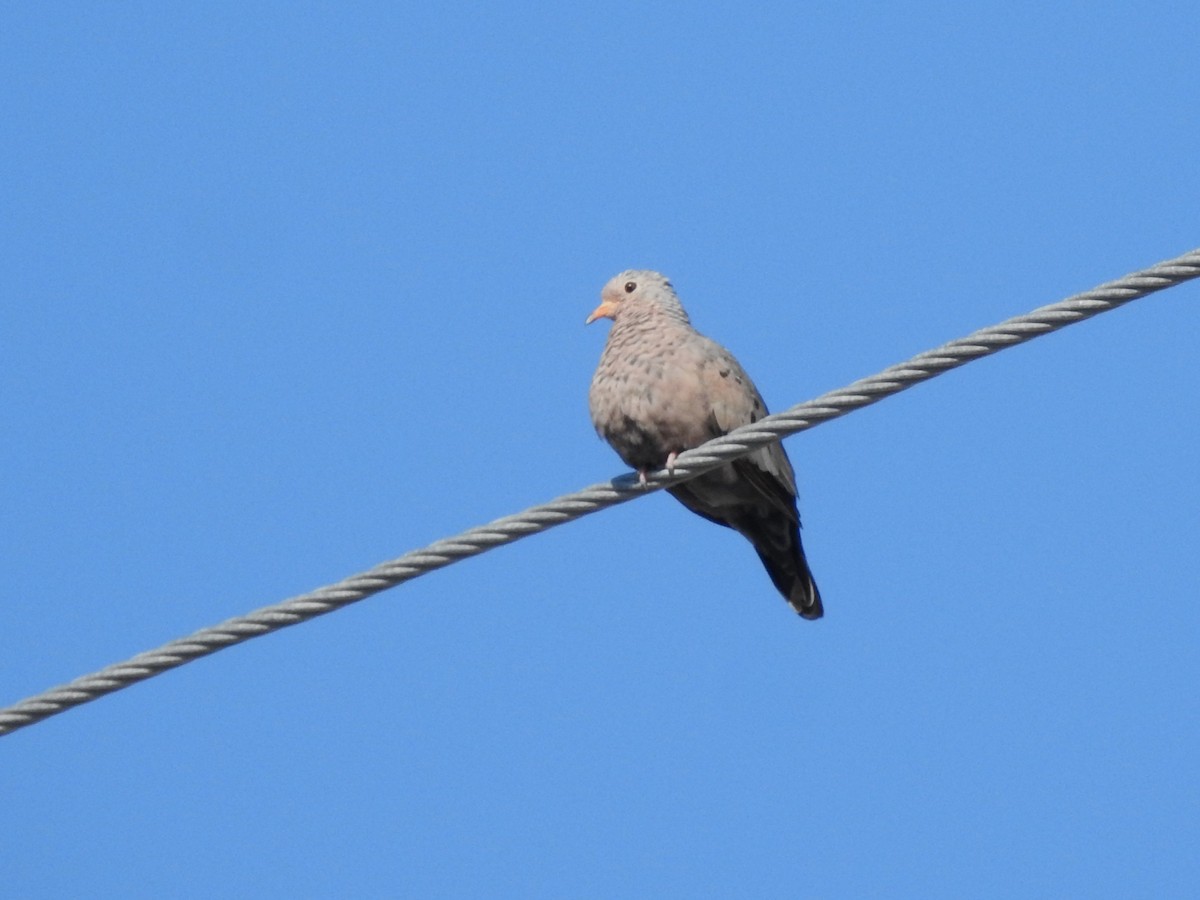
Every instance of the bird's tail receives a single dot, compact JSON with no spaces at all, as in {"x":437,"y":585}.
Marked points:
{"x":789,"y":571}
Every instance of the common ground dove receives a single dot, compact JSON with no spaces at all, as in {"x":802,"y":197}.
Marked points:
{"x":662,"y":388}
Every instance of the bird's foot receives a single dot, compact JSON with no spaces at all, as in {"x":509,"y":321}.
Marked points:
{"x":643,"y":474}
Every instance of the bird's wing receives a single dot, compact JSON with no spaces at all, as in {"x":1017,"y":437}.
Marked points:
{"x":735,"y":401}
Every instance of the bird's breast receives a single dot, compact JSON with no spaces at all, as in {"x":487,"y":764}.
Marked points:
{"x":645,"y":403}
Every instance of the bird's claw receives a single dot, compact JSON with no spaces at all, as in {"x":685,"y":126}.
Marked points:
{"x":670,"y":467}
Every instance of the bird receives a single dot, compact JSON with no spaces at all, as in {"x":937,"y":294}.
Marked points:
{"x":661,"y":388}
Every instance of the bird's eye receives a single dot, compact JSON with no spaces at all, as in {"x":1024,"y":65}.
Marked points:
{"x":630,"y":287}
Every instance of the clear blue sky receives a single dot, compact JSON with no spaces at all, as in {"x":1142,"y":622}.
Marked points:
{"x":290,"y":289}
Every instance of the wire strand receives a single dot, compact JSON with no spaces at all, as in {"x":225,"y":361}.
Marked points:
{"x":569,"y":507}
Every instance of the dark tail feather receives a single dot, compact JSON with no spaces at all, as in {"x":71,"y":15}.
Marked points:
{"x":790,"y":573}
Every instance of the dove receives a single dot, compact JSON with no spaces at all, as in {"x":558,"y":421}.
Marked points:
{"x":661,"y":388}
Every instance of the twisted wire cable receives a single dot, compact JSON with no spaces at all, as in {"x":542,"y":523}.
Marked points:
{"x":569,"y":507}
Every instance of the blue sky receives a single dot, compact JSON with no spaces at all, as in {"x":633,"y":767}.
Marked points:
{"x":290,"y":289}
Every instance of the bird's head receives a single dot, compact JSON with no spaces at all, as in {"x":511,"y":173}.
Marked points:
{"x":637,"y":289}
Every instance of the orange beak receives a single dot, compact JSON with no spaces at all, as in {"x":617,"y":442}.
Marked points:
{"x":605,"y":310}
